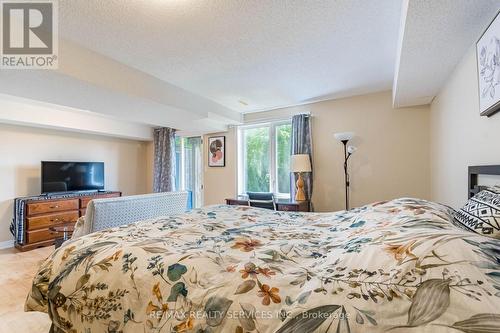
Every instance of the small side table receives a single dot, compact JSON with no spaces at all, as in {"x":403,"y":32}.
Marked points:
{"x":292,"y":205}
{"x":63,"y":233}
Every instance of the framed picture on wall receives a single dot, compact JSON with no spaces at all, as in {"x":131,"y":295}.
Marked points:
{"x":217,"y":151}
{"x":488,"y":68}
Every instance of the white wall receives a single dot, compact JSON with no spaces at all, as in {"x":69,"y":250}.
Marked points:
{"x":22,"y":149}
{"x":459,"y":136}
{"x":24,"y":112}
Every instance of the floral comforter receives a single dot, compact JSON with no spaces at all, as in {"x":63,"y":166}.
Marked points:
{"x":400,"y":266}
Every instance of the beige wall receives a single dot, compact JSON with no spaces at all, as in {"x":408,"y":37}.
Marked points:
{"x":459,"y":136}
{"x":421,"y":152}
{"x":150,"y":158}
{"x":22,"y":149}
{"x":220,"y":183}
{"x":392,"y":158}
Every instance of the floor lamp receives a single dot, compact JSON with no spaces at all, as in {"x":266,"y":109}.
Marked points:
{"x":345,"y":137}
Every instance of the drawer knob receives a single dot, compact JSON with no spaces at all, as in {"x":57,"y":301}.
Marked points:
{"x":56,"y":206}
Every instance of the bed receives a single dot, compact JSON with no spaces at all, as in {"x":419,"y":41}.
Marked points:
{"x":402,"y":266}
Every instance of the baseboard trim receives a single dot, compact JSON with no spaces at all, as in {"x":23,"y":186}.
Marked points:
{"x":6,"y":244}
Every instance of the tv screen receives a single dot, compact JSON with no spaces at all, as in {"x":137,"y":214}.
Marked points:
{"x":72,"y":176}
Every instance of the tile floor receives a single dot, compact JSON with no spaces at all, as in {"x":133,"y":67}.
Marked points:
{"x":16,"y":273}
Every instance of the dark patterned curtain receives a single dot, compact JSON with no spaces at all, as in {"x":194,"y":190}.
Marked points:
{"x":302,"y":144}
{"x":164,"y":159}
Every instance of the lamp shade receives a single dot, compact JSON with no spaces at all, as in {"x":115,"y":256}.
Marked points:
{"x":344,"y":136}
{"x":351,"y":149}
{"x":300,"y":163}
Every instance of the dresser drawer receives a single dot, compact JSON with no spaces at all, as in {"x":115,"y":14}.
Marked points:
{"x":85,"y":201}
{"x":39,"y":235}
{"x":45,"y":221}
{"x":51,"y":206}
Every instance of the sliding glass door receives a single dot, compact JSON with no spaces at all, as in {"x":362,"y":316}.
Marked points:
{"x":189,"y":168}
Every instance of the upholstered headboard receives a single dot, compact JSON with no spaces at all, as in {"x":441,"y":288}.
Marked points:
{"x":113,"y":212}
{"x":475,"y":171}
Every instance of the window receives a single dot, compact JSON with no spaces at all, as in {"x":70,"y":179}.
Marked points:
{"x":283,"y":149}
{"x":188,"y":169}
{"x":264,"y":158}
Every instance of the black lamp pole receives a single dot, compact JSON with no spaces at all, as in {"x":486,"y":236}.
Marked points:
{"x":346,"y":174}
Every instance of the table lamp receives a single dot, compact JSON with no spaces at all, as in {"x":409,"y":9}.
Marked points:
{"x":300,"y":163}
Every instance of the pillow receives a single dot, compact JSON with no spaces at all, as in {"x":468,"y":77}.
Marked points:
{"x":495,"y":188}
{"x":79,"y":229}
{"x":481,"y":213}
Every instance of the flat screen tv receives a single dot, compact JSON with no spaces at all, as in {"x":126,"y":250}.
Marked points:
{"x":72,"y":176}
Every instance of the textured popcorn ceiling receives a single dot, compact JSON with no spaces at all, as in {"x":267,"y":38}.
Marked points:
{"x":265,"y":53}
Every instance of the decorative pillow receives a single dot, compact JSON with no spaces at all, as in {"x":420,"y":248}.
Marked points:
{"x":495,"y":188}
{"x":481,"y":213}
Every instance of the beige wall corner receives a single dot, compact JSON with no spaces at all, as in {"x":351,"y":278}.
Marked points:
{"x":392,"y":158}
{"x":460,"y":137}
{"x":23,"y":148}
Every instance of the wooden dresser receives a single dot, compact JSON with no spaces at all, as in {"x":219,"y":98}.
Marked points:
{"x":41,"y":214}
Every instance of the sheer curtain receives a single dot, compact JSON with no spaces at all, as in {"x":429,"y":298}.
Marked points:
{"x":164,"y":159}
{"x":302,"y":144}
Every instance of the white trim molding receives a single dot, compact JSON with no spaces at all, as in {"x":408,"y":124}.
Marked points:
{"x":24,"y":112}
{"x":6,"y":244}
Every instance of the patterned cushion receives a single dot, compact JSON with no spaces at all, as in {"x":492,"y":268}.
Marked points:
{"x":113,"y":212}
{"x":481,"y":213}
{"x":495,"y":188}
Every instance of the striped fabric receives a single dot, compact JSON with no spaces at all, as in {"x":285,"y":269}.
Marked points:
{"x":481,"y":214}
{"x":17,"y":225}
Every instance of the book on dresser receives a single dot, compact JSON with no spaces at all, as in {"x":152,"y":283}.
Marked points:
{"x":35,"y":217}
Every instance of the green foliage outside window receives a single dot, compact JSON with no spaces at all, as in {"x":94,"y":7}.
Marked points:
{"x":283,"y":148}
{"x":257,"y":159}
